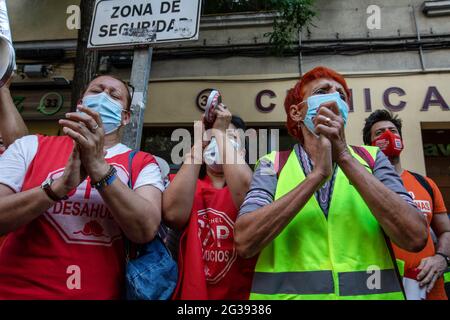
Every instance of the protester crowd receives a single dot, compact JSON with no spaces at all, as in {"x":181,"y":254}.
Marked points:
{"x":85,"y":217}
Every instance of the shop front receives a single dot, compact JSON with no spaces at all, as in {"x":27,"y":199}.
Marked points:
{"x":419,"y":99}
{"x":42,"y":106}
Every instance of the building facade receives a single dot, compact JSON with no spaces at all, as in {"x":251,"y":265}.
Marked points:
{"x":394,"y":54}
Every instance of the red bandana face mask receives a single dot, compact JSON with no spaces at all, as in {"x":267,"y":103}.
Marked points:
{"x":389,"y":143}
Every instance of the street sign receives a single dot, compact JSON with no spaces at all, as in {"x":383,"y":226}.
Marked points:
{"x":125,"y":23}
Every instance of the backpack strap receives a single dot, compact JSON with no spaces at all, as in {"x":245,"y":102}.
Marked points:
{"x":365,"y":155}
{"x":424,"y":183}
{"x":162,"y":230}
{"x":130,"y":167}
{"x":281,"y":158}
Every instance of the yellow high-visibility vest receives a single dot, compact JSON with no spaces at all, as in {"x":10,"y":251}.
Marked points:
{"x":342,"y":256}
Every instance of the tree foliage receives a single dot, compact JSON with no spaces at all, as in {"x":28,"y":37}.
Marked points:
{"x":293,"y":16}
{"x":86,"y":59}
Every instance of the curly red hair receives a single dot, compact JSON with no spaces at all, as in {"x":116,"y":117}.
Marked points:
{"x":295,"y":95}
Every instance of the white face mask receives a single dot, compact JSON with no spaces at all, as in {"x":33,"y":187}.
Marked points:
{"x":212,"y":157}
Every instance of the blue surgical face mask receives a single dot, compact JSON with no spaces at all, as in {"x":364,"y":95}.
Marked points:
{"x":109,"y":109}
{"x":314,"y":103}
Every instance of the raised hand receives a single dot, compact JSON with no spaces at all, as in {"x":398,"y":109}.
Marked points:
{"x":86,"y":129}
{"x":329,"y":123}
{"x":321,"y":155}
{"x":195,"y":155}
{"x":74,"y":174}
{"x":432,"y":268}
{"x":223,"y":118}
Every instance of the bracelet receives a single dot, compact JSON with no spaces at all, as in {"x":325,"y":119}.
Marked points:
{"x":107,"y":180}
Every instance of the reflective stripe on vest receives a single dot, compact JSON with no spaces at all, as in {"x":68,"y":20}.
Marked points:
{"x":359,"y":283}
{"x":342,"y":256}
{"x":313,"y":282}
{"x":321,"y":282}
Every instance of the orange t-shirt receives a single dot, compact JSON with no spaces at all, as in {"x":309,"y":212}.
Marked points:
{"x":429,"y":207}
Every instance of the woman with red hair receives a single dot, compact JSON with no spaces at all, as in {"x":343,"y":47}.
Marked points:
{"x":317,"y":216}
{"x":296,"y":94}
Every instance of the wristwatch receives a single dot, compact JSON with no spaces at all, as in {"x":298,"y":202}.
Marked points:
{"x":445,"y":257}
{"x":47,"y":187}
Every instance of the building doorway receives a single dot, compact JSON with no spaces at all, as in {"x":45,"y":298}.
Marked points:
{"x":436,"y":144}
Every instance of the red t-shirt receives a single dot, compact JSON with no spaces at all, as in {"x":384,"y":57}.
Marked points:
{"x":428,"y":207}
{"x":74,"y":250}
{"x":209,"y":267}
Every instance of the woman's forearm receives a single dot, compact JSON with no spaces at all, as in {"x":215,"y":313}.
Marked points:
{"x":178,"y":198}
{"x":238,"y":174}
{"x":256,"y":229}
{"x":238,"y":178}
{"x":399,"y":220}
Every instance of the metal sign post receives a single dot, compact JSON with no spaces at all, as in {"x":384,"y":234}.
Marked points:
{"x":140,"y":75}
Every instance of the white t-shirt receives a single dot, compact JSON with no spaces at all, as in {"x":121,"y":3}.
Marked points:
{"x":14,"y":164}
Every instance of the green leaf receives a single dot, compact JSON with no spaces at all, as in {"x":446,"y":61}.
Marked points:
{"x":293,"y":16}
